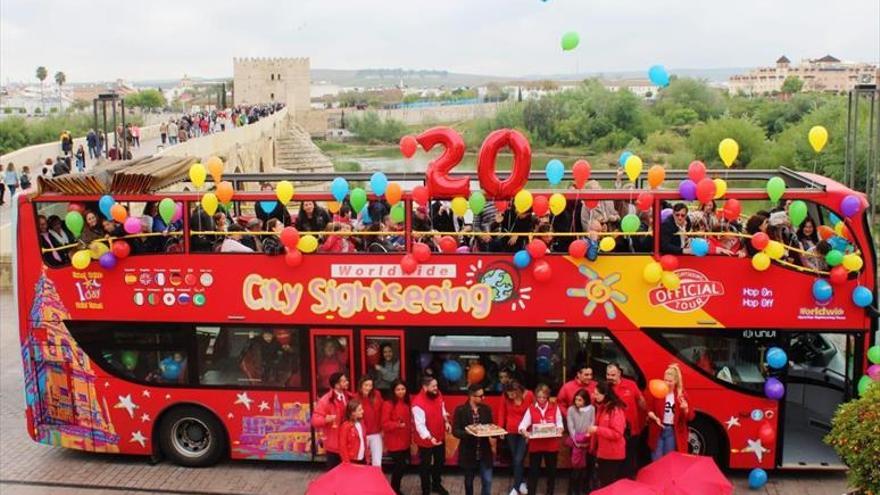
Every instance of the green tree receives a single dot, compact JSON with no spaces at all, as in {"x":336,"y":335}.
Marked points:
{"x":373,"y":129}
{"x":42,"y":74}
{"x":689,"y":94}
{"x":147,"y":99}
{"x":855,"y":436}
{"x":792,"y":85}
{"x":704,"y":139}
{"x":60,"y":79}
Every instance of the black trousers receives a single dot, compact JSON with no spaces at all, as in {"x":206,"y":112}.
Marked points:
{"x":399,"y":460}
{"x":431,"y":461}
{"x":609,"y":471}
{"x":535,"y":459}
{"x":333,"y":460}
{"x":580,"y":479}
{"x":630,"y":464}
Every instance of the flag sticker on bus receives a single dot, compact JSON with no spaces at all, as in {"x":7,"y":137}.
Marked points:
{"x":694,"y":292}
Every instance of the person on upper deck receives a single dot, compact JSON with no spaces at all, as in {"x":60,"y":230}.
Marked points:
{"x":672,"y":240}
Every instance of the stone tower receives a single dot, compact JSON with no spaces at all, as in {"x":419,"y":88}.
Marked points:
{"x":267,"y":80}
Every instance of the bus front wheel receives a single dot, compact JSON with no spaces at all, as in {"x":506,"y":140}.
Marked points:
{"x":705,"y":438}
{"x":191,"y":436}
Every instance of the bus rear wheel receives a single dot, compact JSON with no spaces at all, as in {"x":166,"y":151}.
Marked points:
{"x":704,"y":438}
{"x":191,"y":436}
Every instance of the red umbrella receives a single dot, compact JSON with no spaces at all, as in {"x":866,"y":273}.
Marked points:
{"x":684,"y":474}
{"x":351,"y":479}
{"x":627,"y":487}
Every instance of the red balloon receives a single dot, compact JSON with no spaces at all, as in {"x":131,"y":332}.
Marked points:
{"x":542,"y":271}
{"x":536,"y":248}
{"x":120,"y":249}
{"x":540,"y":206}
{"x":838,"y":275}
{"x":826,"y":232}
{"x":522,"y":162}
{"x":408,"y":146}
{"x":645,"y":201}
{"x":767,"y":434}
{"x":374,"y":354}
{"x":732,"y":209}
{"x":290,"y":237}
{"x":409,"y":264}
{"x":293,"y":258}
{"x":448,"y":244}
{"x":76,"y":207}
{"x":439,"y":182}
{"x":669,"y":262}
{"x":705,"y":190}
{"x":420,"y":195}
{"x":696,"y":171}
{"x":581,"y":171}
{"x":421,"y":252}
{"x":577,"y":249}
{"x":760,"y":240}
{"x":501,"y":206}
{"x":591,"y":203}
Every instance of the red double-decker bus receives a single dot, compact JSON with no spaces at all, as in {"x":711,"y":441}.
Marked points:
{"x":194,"y":354}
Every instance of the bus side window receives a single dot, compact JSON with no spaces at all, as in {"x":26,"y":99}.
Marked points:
{"x":249,"y":356}
{"x":597,"y":349}
{"x":548,"y":360}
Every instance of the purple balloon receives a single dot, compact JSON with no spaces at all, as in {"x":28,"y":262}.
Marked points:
{"x":774,"y":389}
{"x":850,"y":205}
{"x":132,"y":225}
{"x":424,"y":360}
{"x":874,"y":372}
{"x":664,"y":214}
{"x":545,"y":350}
{"x":463,"y":249}
{"x":687,"y":189}
{"x":107,"y":261}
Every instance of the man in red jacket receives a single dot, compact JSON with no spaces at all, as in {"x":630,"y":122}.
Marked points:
{"x":329,"y":415}
{"x":431,"y":423}
{"x":583,"y":380}
{"x":628,"y":392}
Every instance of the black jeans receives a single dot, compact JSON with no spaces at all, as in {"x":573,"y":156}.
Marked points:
{"x":431,"y":461}
{"x":333,"y":460}
{"x":581,"y":478}
{"x":535,"y":459}
{"x":484,"y":470}
{"x":2,"y":192}
{"x":399,"y":459}
{"x":609,"y":471}
{"x":630,"y":464}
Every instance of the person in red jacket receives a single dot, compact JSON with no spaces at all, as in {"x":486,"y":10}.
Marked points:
{"x":583,"y":380}
{"x":431,"y":423}
{"x":516,"y":402}
{"x":371,"y":400}
{"x":542,"y":412}
{"x":397,"y":428}
{"x":328,"y":416}
{"x":629,"y":393}
{"x":607,"y":434}
{"x":353,"y":445}
{"x":669,"y":417}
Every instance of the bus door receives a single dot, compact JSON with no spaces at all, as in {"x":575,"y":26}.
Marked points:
{"x":331,"y":351}
{"x":380,"y":358}
{"x":819,"y":377}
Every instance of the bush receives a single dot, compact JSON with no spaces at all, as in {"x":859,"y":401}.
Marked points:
{"x":855,"y":436}
{"x":665,"y":142}
{"x":705,"y":137}
{"x":372,"y":129}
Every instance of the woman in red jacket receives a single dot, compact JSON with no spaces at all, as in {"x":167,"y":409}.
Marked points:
{"x":516,"y":402}
{"x":371,"y":399}
{"x":668,"y":428}
{"x":608,"y":433}
{"x":352,"y":437}
{"x":397,"y":428}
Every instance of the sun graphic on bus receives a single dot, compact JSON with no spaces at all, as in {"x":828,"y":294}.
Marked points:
{"x":504,"y":281}
{"x":598,"y":291}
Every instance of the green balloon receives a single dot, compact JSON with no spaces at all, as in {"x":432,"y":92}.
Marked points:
{"x":74,"y":222}
{"x":166,"y":210}
{"x":570,"y":41}
{"x":397,"y":213}
{"x":864,"y":382}
{"x":358,"y":199}
{"x":630,"y":223}
{"x":874,"y":354}
{"x":834,"y":257}
{"x":477,"y":202}
{"x":775,"y":188}
{"x":129,"y":359}
{"x":797,"y":212}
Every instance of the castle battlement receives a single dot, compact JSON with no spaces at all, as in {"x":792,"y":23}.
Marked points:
{"x":292,"y":61}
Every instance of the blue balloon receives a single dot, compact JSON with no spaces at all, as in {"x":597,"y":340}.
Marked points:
{"x":268,"y":206}
{"x":522,"y":259}
{"x":834,"y":219}
{"x":105,"y":203}
{"x":452,"y":370}
{"x":555,"y":171}
{"x":822,"y":290}
{"x":757,"y":478}
{"x":776,"y":358}
{"x":699,"y":247}
{"x":365,"y":217}
{"x":624,"y":157}
{"x":339,"y":189}
{"x":839,"y":243}
{"x":862,"y":296}
{"x":170,"y":368}
{"x":658,"y":75}
{"x":378,"y":182}
{"x":542,"y":365}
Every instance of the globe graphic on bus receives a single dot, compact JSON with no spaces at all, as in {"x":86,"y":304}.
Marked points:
{"x":501,"y":283}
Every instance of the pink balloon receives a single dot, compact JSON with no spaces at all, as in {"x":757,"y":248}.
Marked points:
{"x":874,"y":372}
{"x":132,"y":225}
{"x":178,"y":212}
{"x":463,"y":249}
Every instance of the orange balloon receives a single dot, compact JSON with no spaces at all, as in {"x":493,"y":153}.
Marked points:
{"x":333,"y":206}
{"x":826,"y":232}
{"x":224,"y":192}
{"x":476,"y":373}
{"x":215,"y":167}
{"x":118,"y":213}
{"x":658,"y":388}
{"x":393,"y":193}
{"x":656,"y":176}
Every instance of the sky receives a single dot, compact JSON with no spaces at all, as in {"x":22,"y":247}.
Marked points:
{"x":164,"y":39}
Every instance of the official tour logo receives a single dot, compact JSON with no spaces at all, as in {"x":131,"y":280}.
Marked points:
{"x":694,"y":292}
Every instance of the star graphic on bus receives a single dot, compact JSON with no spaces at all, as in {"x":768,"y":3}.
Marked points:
{"x":504,"y":281}
{"x":126,"y":403}
{"x":598,"y":291}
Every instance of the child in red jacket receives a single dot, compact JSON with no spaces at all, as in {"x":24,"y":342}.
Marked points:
{"x":352,"y":436}
{"x":608,"y":434}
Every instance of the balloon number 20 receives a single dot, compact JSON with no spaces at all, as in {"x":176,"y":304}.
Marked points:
{"x":441,"y":185}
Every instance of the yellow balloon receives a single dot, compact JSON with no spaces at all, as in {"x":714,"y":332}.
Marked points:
{"x":818,"y":137}
{"x":522,"y":201}
{"x":653,"y":272}
{"x":853,"y":262}
{"x":607,"y":244}
{"x":775,"y":250}
{"x":557,"y":203}
{"x":81,"y":259}
{"x":197,"y":174}
{"x":728,"y":150}
{"x":333,"y":206}
{"x":97,"y":248}
{"x":307,"y":243}
{"x":840,"y":229}
{"x":215,"y":167}
{"x":209,"y":203}
{"x":459,"y":206}
{"x":670,"y":280}
{"x":633,"y":167}
{"x":284,"y":191}
{"x":760,"y":262}
{"x":720,"y":188}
